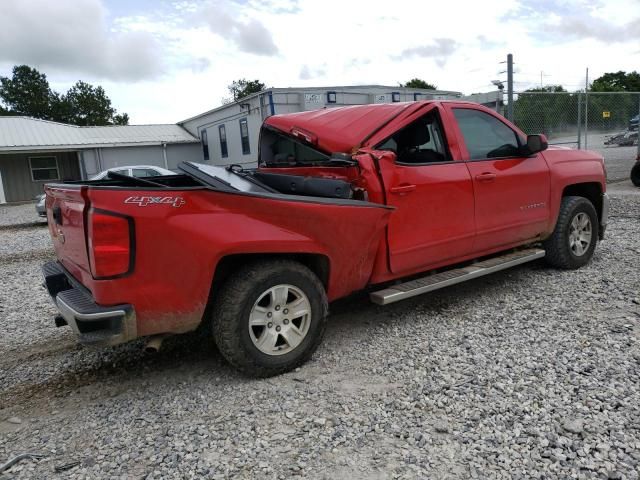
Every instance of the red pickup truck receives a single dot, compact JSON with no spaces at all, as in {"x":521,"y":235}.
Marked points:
{"x":399,"y":199}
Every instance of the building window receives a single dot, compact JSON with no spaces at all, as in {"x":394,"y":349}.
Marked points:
{"x":395,"y":96}
{"x":331,"y":97}
{"x":44,"y":169}
{"x":205,"y":144}
{"x":416,"y":96}
{"x":224,"y":152}
{"x":244,"y":136}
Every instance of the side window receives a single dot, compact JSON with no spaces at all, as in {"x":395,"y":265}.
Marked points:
{"x":144,"y":172}
{"x":122,"y":171}
{"x":420,"y":142}
{"x":485,"y":136}
{"x":244,"y":136}
{"x":205,"y":144}
{"x":224,"y":152}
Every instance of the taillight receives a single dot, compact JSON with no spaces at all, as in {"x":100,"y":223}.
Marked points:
{"x":110,"y":238}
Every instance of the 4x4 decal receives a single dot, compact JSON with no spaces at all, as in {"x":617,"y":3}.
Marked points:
{"x":144,"y":201}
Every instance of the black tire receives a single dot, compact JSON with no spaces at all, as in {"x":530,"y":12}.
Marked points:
{"x":558,"y":251}
{"x":635,"y":174}
{"x":235,"y":301}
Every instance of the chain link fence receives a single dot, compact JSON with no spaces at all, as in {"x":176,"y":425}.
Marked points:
{"x":606,"y":122}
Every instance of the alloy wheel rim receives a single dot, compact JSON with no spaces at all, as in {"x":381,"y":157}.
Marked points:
{"x":279,"y":320}
{"x":580,"y":234}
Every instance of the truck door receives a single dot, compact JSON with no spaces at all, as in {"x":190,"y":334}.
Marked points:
{"x":511,"y":189}
{"x":432,"y":193}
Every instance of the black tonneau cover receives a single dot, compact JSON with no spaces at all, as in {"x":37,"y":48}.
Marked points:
{"x":255,"y":181}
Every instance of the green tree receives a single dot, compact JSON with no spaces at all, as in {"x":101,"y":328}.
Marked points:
{"x":620,"y":107}
{"x":121,"y":119}
{"x":419,"y":83}
{"x":550,"y":110}
{"x":548,"y":88}
{"x":243,"y":88}
{"x":617,"y":82}
{"x":27,"y":92}
{"x":84,"y":104}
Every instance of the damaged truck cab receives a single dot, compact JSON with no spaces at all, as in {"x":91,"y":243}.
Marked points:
{"x":343,"y":199}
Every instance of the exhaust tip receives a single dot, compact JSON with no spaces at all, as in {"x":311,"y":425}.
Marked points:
{"x":153,"y":344}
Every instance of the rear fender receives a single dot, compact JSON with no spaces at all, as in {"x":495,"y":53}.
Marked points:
{"x":345,"y":234}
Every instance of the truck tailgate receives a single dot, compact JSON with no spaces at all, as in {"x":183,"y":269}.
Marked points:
{"x":66,"y":216}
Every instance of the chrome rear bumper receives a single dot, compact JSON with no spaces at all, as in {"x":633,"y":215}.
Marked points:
{"x":92,"y":323}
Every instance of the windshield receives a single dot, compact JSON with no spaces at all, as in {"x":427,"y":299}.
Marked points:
{"x":278,"y":149}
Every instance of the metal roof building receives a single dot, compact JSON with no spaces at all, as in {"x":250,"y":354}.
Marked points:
{"x":33,"y":152}
{"x":20,"y":133}
{"x":229,"y":133}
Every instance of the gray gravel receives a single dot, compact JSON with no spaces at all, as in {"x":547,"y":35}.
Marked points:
{"x":13,"y":215}
{"x":527,"y":373}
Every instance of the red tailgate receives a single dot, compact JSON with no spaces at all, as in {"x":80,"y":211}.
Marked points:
{"x":66,"y":217}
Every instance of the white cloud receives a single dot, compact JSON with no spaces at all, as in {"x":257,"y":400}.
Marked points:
{"x":73,"y":36}
{"x":184,"y":54}
{"x":566,"y":20}
{"x":249,"y":35}
{"x":440,"y":49}
{"x":311,"y":73}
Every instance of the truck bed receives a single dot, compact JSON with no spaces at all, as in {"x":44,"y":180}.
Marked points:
{"x":182,"y":228}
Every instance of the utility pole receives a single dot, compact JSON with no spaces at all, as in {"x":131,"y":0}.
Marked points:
{"x":510,"y":87}
{"x":542,"y":75}
{"x":586,"y":109}
{"x":579,"y":120}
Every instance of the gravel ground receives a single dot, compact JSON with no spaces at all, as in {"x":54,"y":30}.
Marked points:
{"x":14,"y":215}
{"x":527,"y":373}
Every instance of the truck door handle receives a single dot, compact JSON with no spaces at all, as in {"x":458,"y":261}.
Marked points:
{"x":404,"y":188}
{"x":486,"y":177}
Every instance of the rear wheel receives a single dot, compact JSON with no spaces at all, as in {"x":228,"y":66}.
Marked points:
{"x":573,"y":241}
{"x":270,"y":317}
{"x":635,"y":174}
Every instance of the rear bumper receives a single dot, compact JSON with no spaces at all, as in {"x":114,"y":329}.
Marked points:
{"x":92,"y":323}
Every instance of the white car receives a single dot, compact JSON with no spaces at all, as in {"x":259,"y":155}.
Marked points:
{"x":139,"y":171}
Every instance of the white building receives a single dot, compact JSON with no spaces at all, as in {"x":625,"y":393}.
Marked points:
{"x":229,"y":134}
{"x":34,"y":152}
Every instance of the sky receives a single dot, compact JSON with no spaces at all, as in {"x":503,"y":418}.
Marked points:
{"x":162,"y":61}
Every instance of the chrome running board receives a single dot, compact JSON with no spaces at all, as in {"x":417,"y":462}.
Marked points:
{"x":430,"y":283}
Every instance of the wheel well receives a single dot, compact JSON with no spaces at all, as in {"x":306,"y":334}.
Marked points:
{"x":318,"y":264}
{"x":591,"y":191}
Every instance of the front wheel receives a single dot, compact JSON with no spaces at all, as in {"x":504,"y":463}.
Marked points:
{"x":269,"y":317}
{"x":573,"y":241}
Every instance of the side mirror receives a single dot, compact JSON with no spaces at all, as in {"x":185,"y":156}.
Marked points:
{"x":536,"y":143}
